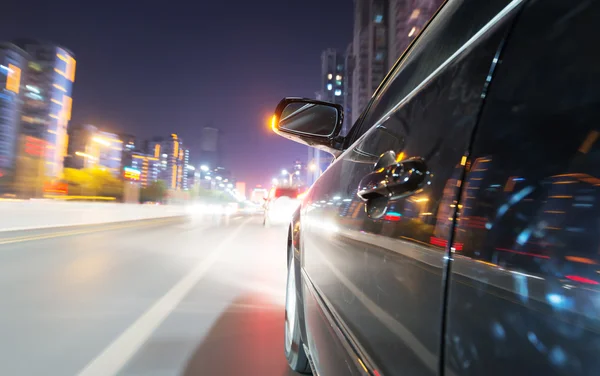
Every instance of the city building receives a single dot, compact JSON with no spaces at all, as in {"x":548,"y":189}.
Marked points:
{"x":332,"y":76}
{"x":407,"y":19}
{"x":349,"y":64}
{"x":146,"y":166}
{"x":172,"y":155}
{"x":79,"y":137}
{"x":105,"y":150}
{"x":129,"y":146}
{"x":383,"y":29}
{"x":13,"y":65}
{"x":370,"y":51}
{"x":47,"y":102}
{"x":89,"y":147}
{"x":187,"y":168}
{"x":209,"y":147}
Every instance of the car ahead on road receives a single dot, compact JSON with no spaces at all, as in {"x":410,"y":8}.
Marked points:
{"x":280,"y":204}
{"x":457,"y":230}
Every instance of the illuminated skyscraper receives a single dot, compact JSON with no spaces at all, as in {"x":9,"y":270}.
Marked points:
{"x":148,"y":167}
{"x":185,"y":183}
{"x":13,"y":65}
{"x":332,"y":76}
{"x":105,"y":150}
{"x":172,"y":159}
{"x":47,"y":108}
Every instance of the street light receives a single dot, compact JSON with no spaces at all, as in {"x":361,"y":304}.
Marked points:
{"x":290,"y":175}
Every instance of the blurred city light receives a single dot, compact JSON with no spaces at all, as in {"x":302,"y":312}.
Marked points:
{"x":284,"y":172}
{"x":101,"y":141}
{"x":204,"y":168}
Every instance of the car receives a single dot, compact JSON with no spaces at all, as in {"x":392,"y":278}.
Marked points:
{"x":280,"y":205}
{"x":456,"y":231}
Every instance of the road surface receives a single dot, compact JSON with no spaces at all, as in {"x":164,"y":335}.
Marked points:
{"x":166,"y":297}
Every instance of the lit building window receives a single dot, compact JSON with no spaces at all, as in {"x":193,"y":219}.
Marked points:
{"x":379,"y":56}
{"x":338,"y":92}
{"x":378,"y":18}
{"x":329,"y":76}
{"x":338,"y":77}
{"x":329,"y":86}
{"x":415,"y":13}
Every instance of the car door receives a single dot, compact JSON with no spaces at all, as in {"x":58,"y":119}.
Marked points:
{"x":524,"y":292}
{"x":378,"y":265}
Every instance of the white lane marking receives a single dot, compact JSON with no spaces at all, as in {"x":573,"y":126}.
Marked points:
{"x":118,"y":353}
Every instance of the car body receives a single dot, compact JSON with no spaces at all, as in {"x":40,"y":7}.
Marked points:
{"x":280,"y":204}
{"x":457,"y":230}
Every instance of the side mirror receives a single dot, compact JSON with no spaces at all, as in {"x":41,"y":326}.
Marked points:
{"x":310,"y":122}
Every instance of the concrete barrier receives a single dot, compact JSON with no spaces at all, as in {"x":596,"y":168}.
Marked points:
{"x":35,"y":214}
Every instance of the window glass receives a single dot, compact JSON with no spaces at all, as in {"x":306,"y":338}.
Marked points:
{"x":453,"y":26}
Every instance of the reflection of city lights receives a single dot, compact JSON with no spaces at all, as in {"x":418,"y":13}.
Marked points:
{"x":219,"y":178}
{"x":275,"y":181}
{"x":84,"y":155}
{"x":412,"y":31}
{"x":101,"y":141}
{"x":204,"y":168}
{"x":284,"y":172}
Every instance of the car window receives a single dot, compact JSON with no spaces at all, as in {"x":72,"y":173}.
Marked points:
{"x":450,"y":29}
{"x":527,"y":269}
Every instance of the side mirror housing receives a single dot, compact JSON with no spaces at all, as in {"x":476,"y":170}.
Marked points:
{"x":310,"y":122}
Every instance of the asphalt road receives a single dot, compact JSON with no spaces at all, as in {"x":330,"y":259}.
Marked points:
{"x":166,"y":297}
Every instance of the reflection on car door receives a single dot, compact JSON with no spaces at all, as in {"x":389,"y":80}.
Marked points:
{"x":524,"y":296}
{"x":382,"y":278}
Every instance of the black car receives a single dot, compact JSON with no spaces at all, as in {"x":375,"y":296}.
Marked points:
{"x":457,"y":232}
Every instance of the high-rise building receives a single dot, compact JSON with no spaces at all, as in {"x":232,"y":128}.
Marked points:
{"x":79,"y":137}
{"x":148,"y":167}
{"x":370,"y":51}
{"x":90,"y":147}
{"x":185,"y":175}
{"x":172,"y":156}
{"x":129,"y":146}
{"x":349,"y":64}
{"x":332,"y":76}
{"x":209,"y":147}
{"x":105,"y":150}
{"x":47,"y":108}
{"x":13,"y":65}
{"x":407,"y":18}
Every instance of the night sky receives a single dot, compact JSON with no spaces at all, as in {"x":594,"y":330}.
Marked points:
{"x":176,"y":67}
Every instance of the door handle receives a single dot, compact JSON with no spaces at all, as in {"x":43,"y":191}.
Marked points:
{"x":393,"y":182}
